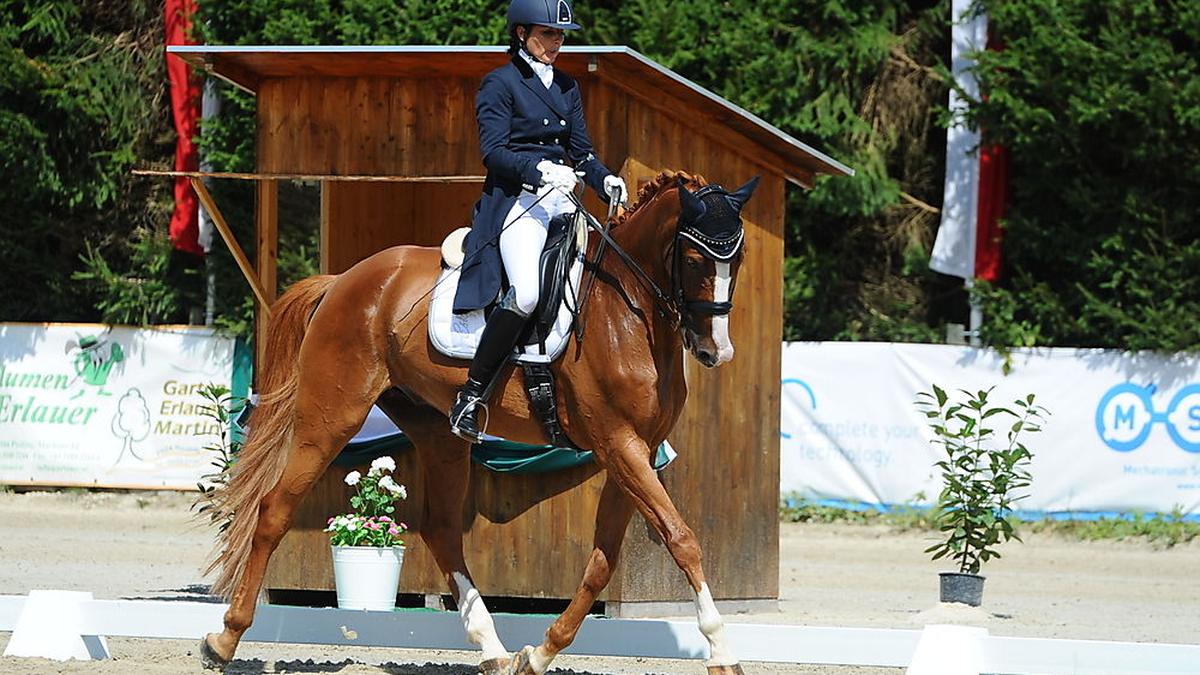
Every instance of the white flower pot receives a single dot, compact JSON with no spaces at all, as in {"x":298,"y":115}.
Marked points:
{"x":367,"y":576}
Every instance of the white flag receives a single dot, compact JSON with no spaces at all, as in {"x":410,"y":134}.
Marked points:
{"x":954,"y":248}
{"x":210,"y":108}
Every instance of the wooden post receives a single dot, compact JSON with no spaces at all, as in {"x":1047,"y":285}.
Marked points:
{"x":239,"y":256}
{"x":325,"y":240}
{"x":267,"y":253}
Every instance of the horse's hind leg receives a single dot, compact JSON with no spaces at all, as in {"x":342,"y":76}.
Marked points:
{"x":326,"y":418}
{"x":612,"y":516}
{"x":445,"y":465}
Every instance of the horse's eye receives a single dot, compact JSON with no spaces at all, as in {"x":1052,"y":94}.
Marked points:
{"x":693,"y":264}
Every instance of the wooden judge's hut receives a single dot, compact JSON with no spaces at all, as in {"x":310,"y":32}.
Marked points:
{"x":390,"y":133}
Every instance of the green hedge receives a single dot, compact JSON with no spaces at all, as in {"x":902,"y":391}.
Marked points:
{"x":1097,"y":100}
{"x":1100,"y":104}
{"x":82,"y":100}
{"x":826,"y":72}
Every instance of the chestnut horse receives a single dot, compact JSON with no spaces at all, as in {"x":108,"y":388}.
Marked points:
{"x":339,"y":344}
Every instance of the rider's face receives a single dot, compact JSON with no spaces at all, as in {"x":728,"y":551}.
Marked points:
{"x":542,"y":42}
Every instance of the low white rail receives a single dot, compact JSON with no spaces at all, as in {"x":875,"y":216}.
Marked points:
{"x":598,"y":636}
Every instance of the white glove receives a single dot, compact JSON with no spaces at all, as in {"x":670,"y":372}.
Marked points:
{"x":557,"y":175}
{"x":616,"y":183}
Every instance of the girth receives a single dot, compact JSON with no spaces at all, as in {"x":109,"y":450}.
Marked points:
{"x":543,"y":400}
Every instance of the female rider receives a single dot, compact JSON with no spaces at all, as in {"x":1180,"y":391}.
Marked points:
{"x":533,"y":139}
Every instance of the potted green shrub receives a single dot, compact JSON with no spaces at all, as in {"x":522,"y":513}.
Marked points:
{"x":981,"y":480}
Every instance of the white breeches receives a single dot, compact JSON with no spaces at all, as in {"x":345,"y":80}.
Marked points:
{"x":522,"y":240}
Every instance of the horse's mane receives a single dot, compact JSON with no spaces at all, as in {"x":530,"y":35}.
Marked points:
{"x":660,"y":183}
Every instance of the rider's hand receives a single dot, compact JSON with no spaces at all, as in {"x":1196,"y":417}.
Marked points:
{"x":557,"y":175}
{"x":614,"y":187}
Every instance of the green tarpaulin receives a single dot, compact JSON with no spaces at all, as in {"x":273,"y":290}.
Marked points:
{"x":498,"y":455}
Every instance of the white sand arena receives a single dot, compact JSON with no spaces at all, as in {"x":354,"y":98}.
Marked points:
{"x":147,"y":546}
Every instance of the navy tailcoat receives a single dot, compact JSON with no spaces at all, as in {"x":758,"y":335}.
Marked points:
{"x":521,"y":123}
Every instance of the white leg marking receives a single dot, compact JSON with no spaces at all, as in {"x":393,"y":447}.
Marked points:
{"x":477,"y":621}
{"x":540,"y":659}
{"x":720,"y":324}
{"x":713,"y":629}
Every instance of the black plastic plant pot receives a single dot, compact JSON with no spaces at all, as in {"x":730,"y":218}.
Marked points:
{"x":961,"y":587}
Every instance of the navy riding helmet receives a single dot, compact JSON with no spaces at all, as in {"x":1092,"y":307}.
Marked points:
{"x":552,"y":13}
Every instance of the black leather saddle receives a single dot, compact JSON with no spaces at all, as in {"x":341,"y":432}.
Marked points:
{"x":554,"y":267}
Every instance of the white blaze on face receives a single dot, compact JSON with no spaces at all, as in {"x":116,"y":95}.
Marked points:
{"x":720,"y":324}
{"x":713,"y":628}
{"x":477,"y":621}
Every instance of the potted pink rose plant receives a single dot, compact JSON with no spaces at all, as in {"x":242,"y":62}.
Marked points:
{"x":367,"y":543}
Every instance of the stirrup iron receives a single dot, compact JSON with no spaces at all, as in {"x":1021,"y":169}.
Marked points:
{"x":471,"y":407}
{"x":500,"y":335}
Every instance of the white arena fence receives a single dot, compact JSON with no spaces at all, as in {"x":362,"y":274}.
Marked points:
{"x":70,"y":624}
{"x":1123,"y":433}
{"x":116,"y":406}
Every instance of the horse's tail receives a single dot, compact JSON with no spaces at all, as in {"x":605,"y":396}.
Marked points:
{"x":262,"y":459}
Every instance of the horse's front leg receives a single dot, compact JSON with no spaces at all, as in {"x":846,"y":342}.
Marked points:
{"x":612,"y":515}
{"x":630,"y":465}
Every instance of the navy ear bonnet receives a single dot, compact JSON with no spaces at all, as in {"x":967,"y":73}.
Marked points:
{"x":711,"y":219}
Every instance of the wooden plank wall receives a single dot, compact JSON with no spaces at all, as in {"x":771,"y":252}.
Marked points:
{"x":360,"y":219}
{"x":403,"y":127}
{"x":528,"y":536}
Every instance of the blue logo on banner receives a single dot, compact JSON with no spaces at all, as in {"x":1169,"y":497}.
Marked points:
{"x":1126,"y":415}
{"x":811,"y":397}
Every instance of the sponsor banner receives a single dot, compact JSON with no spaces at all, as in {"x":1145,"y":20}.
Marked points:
{"x":1123,"y":432}
{"x":108,"y":406}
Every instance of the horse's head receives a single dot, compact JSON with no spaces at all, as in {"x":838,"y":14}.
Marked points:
{"x":706,"y":256}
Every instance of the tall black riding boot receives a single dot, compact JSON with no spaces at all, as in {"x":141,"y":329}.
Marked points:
{"x":499,"y":337}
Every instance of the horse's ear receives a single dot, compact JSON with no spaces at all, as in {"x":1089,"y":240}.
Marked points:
{"x":693,"y":208}
{"x":742,"y":194}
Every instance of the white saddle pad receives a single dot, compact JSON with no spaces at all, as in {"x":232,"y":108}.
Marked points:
{"x":457,"y":335}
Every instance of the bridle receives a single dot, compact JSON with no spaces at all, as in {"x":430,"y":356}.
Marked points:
{"x":688,"y":232}
{"x":717,"y":249}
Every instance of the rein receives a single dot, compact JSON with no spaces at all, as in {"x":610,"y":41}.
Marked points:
{"x":673,"y":305}
{"x":666,"y":305}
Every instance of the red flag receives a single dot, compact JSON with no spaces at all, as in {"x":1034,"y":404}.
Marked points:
{"x":185,"y":106}
{"x":993,"y":198}
{"x":993,"y":201}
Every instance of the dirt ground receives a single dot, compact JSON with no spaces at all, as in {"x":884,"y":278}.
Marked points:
{"x":146,"y":546}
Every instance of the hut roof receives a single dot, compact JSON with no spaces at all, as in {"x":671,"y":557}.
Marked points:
{"x":248,"y":66}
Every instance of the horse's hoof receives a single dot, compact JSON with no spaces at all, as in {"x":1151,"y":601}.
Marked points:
{"x":494,"y":666}
{"x":520,"y":664}
{"x":735,"y":669}
{"x":209,"y":657}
